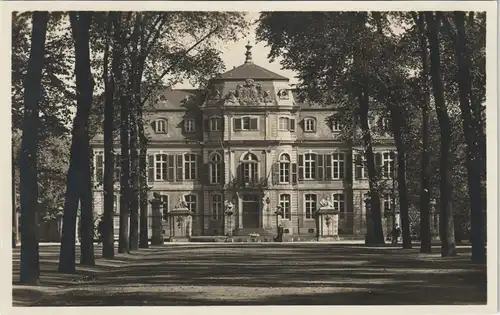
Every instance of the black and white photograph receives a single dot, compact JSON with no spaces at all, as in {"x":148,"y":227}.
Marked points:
{"x":256,"y":154}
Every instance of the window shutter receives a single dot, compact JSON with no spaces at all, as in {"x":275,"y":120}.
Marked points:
{"x":170,"y":168}
{"x":99,"y":168}
{"x":328,"y":166}
{"x":319,"y":167}
{"x":378,"y":163}
{"x":292,"y":124}
{"x":198,"y":162}
{"x":276,"y":173}
{"x":394,"y":166}
{"x":358,"y":166}
{"x":253,"y":123}
{"x":237,"y":124}
{"x":301,"y":167}
{"x":347,"y":165}
{"x":206,"y":124}
{"x":153,"y":125}
{"x":179,"y":171}
{"x":222,"y":171}
{"x":206,"y":173}
{"x":294,"y":173}
{"x":151,"y":168}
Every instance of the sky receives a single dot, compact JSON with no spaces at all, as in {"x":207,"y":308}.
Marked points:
{"x":233,"y":54}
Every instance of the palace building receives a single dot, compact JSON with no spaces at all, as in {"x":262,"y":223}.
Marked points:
{"x":248,"y":140}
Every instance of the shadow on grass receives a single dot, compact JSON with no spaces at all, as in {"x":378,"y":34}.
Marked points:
{"x":175,"y":275}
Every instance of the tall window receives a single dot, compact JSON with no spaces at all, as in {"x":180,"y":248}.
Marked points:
{"x":250,"y":168}
{"x":310,"y":205}
{"x":388,"y":164}
{"x":309,"y":124}
{"x":387,"y":203}
{"x":338,"y":165}
{"x":215,"y":124}
{"x":161,"y":126}
{"x":285,"y":169}
{"x":189,"y":125}
{"x":246,"y":123}
{"x":339,"y":204}
{"x":309,"y":166}
{"x":161,"y":166}
{"x":190,"y":169}
{"x":99,"y":166}
{"x":360,"y":166}
{"x":115,"y":204}
{"x":215,"y":168}
{"x":191,"y":202}
{"x":285,"y":206}
{"x":216,"y":207}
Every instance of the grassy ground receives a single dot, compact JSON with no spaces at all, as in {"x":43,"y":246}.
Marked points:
{"x":259,"y":274}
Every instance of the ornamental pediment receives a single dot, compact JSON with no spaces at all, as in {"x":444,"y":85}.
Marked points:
{"x":249,"y":93}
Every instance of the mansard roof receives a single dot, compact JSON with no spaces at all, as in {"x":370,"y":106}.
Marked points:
{"x":178,"y":99}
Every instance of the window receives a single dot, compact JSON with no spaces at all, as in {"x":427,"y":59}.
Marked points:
{"x":115,"y":204}
{"x":285,"y":206}
{"x":336,"y":126}
{"x":250,"y":168}
{"x":164,"y":205}
{"x":215,"y":124}
{"x":387,"y":203}
{"x":190,"y":169}
{"x":189,"y":125}
{"x":161,"y":167}
{"x":216,"y":207}
{"x":339,"y":204}
{"x":384,"y":124}
{"x":246,"y":123}
{"x":284,"y":169}
{"x":338,"y":165}
{"x":215,"y":168}
{"x":286,"y":124}
{"x":309,"y":166}
{"x":191,"y":202}
{"x":161,"y":126}
{"x":99,"y":166}
{"x":310,"y":124}
{"x":310,"y":205}
{"x":388,"y":164}
{"x":361,"y":171}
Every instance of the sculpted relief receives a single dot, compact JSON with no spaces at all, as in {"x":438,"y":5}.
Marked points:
{"x":249,"y":93}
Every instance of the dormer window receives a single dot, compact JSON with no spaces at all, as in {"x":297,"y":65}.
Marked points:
{"x":189,"y":125}
{"x":309,"y":124}
{"x":215,"y":124}
{"x":286,"y":124}
{"x":336,"y":125}
{"x":160,"y":126}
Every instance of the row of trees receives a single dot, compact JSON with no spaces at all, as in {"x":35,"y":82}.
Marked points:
{"x":121,"y":61}
{"x":398,"y":65}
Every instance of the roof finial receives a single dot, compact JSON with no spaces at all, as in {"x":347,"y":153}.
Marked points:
{"x":248,"y":53}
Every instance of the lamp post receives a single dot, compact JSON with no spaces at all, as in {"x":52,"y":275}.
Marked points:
{"x":279,"y":228}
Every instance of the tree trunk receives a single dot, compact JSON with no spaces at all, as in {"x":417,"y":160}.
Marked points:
{"x":143,"y":184}
{"x":123,"y":246}
{"x":134,"y":79}
{"x":446,"y":225}
{"x":401,"y":176}
{"x":30,"y":266}
{"x":376,"y":217}
{"x":474,"y":170}
{"x":14,"y":205}
{"x":108,"y":248}
{"x":425,"y":199}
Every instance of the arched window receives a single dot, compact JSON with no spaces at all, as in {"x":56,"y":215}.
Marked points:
{"x":250,"y":168}
{"x":284,"y":169}
{"x":161,"y":126}
{"x":215,"y":165}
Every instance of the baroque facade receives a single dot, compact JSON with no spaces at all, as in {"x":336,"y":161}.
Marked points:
{"x":250,"y":141}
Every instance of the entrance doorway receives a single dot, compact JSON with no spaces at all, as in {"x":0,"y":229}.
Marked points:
{"x":251,"y":211}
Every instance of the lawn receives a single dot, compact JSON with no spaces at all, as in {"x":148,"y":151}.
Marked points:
{"x":259,"y":274}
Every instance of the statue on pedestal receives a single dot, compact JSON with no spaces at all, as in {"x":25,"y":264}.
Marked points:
{"x":181,"y":203}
